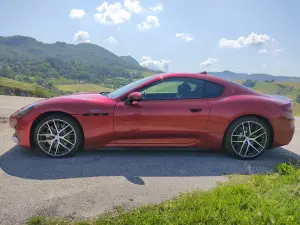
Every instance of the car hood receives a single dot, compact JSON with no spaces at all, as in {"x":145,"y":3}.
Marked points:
{"x":89,"y":96}
{"x":79,"y":103}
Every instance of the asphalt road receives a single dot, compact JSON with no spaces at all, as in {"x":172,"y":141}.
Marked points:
{"x":94,"y":182}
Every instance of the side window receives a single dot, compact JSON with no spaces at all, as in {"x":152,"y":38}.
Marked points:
{"x":174,"y":88}
{"x":170,"y":86}
{"x":212,"y":90}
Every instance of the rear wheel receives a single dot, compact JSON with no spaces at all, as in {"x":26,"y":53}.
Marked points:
{"x":247,"y":138}
{"x":58,"y":136}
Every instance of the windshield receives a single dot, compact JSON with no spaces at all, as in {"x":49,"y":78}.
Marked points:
{"x":117,"y":93}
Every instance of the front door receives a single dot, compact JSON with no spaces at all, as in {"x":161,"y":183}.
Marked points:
{"x":171,"y":113}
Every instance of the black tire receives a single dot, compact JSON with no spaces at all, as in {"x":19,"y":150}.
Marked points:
{"x":231,"y":149}
{"x":70,"y":143}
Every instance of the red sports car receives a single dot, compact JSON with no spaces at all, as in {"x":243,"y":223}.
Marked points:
{"x":164,"y":110}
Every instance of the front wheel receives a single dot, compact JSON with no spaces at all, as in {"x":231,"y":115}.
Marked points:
{"x":247,"y":138}
{"x":58,"y":136}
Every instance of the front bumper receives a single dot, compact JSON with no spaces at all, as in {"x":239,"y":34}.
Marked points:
{"x":22,"y":127}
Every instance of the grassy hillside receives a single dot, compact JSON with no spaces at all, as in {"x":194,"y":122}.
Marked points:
{"x":28,"y":60}
{"x":13,"y":87}
{"x":82,"y":88}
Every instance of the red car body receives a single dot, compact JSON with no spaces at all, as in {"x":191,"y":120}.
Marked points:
{"x":108,"y":122}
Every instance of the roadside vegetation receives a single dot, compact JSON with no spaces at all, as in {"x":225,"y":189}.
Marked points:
{"x":13,"y":87}
{"x":244,"y":200}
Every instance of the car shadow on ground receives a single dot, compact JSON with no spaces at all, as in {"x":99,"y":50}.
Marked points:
{"x":131,"y":164}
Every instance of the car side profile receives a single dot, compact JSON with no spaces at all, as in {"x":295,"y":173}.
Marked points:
{"x":169,"y":110}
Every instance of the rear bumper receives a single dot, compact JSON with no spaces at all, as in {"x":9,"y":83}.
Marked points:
{"x":284,"y":130}
{"x":22,"y":126}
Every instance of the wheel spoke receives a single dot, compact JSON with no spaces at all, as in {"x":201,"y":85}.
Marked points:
{"x":257,"y":131}
{"x":244,"y":130}
{"x":67,"y":133}
{"x":42,"y":141}
{"x":258,"y":143}
{"x":254,"y":147}
{"x":249,"y":128}
{"x":258,"y":136}
{"x":49,"y":128}
{"x":242,"y":147}
{"x":50,"y":146}
{"x":56,"y":147}
{"x":246,"y":150}
{"x":63,"y":129}
{"x":67,"y":141}
{"x":64,"y":146}
{"x":55,"y":127}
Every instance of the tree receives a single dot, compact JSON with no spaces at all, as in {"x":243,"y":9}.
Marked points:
{"x":298,"y":98}
{"x":250,"y":83}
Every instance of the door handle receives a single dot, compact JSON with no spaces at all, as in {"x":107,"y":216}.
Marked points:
{"x":195,"y":110}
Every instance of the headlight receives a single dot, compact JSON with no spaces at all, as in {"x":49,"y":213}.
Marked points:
{"x":25,"y":110}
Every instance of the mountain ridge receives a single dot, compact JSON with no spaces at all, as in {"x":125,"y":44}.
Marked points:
{"x":261,"y":77}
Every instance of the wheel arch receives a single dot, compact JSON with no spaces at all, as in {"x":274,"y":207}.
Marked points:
{"x":253,"y":115}
{"x":44,"y":115}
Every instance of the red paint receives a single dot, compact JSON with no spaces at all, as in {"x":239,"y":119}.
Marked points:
{"x":162,"y":123}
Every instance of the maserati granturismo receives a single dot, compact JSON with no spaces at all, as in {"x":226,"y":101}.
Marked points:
{"x":171,"y":110}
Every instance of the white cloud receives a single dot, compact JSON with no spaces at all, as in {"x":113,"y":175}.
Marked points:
{"x":252,"y":40}
{"x":112,"y":40}
{"x":133,"y":6}
{"x":150,"y":63}
{"x":157,"y":8}
{"x":208,"y":62}
{"x":111,"y":13}
{"x":273,"y":52}
{"x":77,"y":13}
{"x":82,"y":37}
{"x":186,"y":37}
{"x":151,"y":22}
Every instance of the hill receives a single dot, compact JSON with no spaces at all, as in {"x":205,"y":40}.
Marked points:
{"x":130,"y":60}
{"x":229,"y":75}
{"x":26,"y":59}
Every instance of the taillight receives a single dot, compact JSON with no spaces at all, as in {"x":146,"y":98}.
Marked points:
{"x":287,"y":111}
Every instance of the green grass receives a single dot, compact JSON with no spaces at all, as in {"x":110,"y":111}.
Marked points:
{"x":82,"y":88}
{"x":244,"y":200}
{"x":16,"y":84}
{"x":57,"y":81}
{"x":26,"y":87}
{"x":267,"y":88}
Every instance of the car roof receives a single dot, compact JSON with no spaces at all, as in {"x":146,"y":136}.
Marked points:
{"x":197,"y":76}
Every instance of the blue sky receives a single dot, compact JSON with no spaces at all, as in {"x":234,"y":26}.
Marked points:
{"x":250,"y":36}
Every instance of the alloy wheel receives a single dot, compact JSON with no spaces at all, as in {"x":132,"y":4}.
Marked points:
{"x":56,"y":137}
{"x":249,"y":139}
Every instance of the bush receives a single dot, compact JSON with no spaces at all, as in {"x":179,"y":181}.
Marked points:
{"x":285,"y":168}
{"x":298,"y":98}
{"x":250,"y":83}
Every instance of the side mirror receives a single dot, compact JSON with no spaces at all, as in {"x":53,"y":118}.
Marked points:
{"x":133,"y":98}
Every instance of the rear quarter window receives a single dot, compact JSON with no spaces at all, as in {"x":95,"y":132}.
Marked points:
{"x":212,"y":90}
